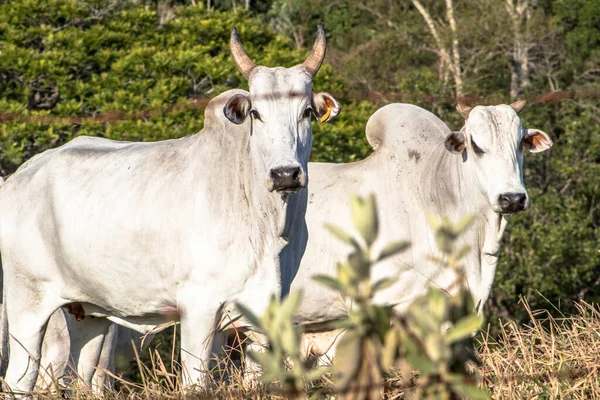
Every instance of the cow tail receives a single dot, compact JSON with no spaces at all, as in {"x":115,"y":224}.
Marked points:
{"x":3,"y":336}
{"x":3,"y":320}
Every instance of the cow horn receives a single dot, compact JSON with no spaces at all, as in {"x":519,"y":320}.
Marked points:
{"x":463,"y":109}
{"x":519,"y":105}
{"x":315,"y":59}
{"x":241,"y":59}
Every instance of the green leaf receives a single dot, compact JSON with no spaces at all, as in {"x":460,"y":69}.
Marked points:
{"x":392,"y":249}
{"x":345,"y":323}
{"x":341,"y":235}
{"x":364,"y":215}
{"x":360,"y":263}
{"x":438,"y":303}
{"x":421,"y":363}
{"x":329,"y":281}
{"x":463,"y":223}
{"x":346,"y":274}
{"x":470,"y":391}
{"x":290,"y":304}
{"x":347,"y":361}
{"x":415,"y":355}
{"x":265,"y":360}
{"x":464,"y":328}
{"x":383,"y":283}
{"x":390,"y":349}
{"x":436,"y":347}
{"x":315,"y":374}
{"x":250,"y":316}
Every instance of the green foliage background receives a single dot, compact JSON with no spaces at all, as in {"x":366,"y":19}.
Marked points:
{"x":67,"y":57}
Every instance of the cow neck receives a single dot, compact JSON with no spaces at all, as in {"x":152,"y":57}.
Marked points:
{"x":451,"y":190}
{"x":442,"y":183}
{"x":448,"y":187}
{"x":269,"y":209}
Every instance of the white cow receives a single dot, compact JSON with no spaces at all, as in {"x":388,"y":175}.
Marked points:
{"x":418,"y":167}
{"x":133,"y":231}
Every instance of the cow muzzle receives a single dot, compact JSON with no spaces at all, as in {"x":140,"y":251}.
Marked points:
{"x":512,"y":203}
{"x":286,"y":180}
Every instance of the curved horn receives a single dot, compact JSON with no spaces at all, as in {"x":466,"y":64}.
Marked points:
{"x":315,"y":59}
{"x":241,"y":59}
{"x":463,"y":109}
{"x":519,"y":105}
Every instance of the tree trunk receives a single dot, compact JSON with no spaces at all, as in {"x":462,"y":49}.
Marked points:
{"x":449,"y":57}
{"x":455,"y":52}
{"x":519,"y":12}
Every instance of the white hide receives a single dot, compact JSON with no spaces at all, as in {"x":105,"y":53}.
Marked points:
{"x":132,"y":229}
{"x":412,"y":174}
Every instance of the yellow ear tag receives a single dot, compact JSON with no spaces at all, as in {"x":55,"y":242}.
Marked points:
{"x":326,"y":115}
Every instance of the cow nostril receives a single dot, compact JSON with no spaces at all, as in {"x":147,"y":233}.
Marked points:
{"x":522,"y":200}
{"x":276,"y":174}
{"x":296,"y":174}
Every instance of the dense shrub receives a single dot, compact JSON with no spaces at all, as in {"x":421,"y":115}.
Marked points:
{"x":57,"y":58}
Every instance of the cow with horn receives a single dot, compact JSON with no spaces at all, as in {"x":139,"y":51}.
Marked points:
{"x":418,"y":167}
{"x":128,"y":232}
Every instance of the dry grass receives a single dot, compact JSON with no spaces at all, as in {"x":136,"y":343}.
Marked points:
{"x":549,"y":358}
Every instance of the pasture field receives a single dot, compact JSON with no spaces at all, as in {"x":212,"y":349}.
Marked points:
{"x":546,"y":358}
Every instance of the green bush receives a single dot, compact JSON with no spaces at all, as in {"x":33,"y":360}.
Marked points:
{"x":57,"y":59}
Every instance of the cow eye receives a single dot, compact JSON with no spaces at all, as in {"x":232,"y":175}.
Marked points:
{"x":307,"y":112}
{"x":254,"y":114}
{"x":476,"y":148}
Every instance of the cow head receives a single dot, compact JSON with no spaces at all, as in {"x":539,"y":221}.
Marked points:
{"x":491,"y":144}
{"x":280,"y":105}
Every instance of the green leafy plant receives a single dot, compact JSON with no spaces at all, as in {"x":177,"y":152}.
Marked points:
{"x":359,"y":363}
{"x":434,"y":336}
{"x":282,"y":362}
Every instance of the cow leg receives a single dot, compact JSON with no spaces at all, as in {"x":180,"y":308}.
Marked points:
{"x":198,"y":329}
{"x":91,"y":338}
{"x":55,"y":352}
{"x":101,"y":378}
{"x":28,"y":313}
{"x":257,"y":343}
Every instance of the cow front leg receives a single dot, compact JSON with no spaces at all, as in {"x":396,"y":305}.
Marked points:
{"x":198,"y":330}
{"x":27,"y":323}
{"x":91,"y":338}
{"x":257,"y":343}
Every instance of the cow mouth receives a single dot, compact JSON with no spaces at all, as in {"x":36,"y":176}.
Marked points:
{"x":509,"y":212}
{"x":287,"y":191}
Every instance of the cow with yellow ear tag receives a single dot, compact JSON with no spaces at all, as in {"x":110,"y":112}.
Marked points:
{"x":123,"y":232}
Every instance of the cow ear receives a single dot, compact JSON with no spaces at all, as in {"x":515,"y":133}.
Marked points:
{"x":326,"y":107}
{"x":536,"y":141}
{"x":237,"y":108}
{"x":455,"y":142}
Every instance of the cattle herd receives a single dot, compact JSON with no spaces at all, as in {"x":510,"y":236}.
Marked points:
{"x":98,"y":237}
